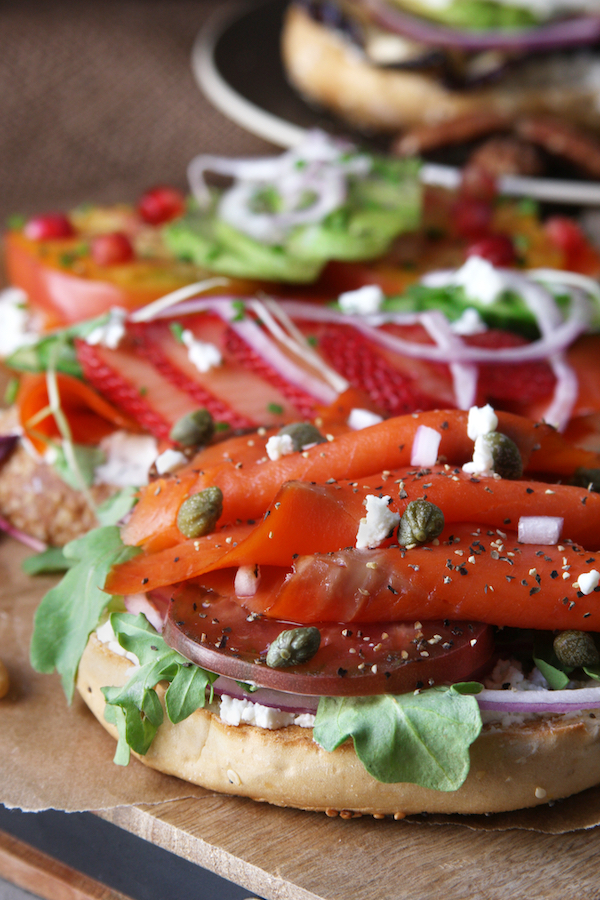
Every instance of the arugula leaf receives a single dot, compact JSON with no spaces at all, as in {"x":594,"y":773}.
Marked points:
{"x":421,"y":738}
{"x":87,"y":459}
{"x":70,"y":611}
{"x":116,"y":507}
{"x":51,"y":560}
{"x":56,"y":351}
{"x":135,"y":708}
{"x":556,"y":674}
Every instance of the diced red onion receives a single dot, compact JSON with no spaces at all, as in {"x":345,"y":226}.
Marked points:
{"x":540,"y":529}
{"x":577,"y":31}
{"x":8,"y":442}
{"x":425,"y":446}
{"x":247,"y":580}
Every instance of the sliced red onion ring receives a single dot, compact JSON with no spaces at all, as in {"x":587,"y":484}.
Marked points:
{"x":23,"y":538}
{"x":464,"y":375}
{"x":250,"y":332}
{"x":541,"y":701}
{"x":293,"y":703}
{"x":574,"y":32}
{"x":8,"y":442}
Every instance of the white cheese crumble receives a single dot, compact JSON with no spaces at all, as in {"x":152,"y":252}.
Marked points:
{"x":14,"y":321}
{"x":111,"y":332}
{"x":378,"y":524}
{"x":362,"y":418}
{"x":469,"y":322}
{"x":482,"y":420}
{"x":128,"y":458}
{"x":106,"y":635}
{"x":508,"y":675}
{"x":480,"y":280}
{"x":483,"y":459}
{"x":363,"y":301}
{"x":244,"y":712}
{"x":279,"y":445}
{"x":202,"y":354}
{"x":587,"y":581}
{"x":170,"y":460}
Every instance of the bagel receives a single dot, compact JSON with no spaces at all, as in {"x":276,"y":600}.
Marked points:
{"x":512,"y":767}
{"x":330,"y":70}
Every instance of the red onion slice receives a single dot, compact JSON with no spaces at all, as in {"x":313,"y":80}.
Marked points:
{"x":540,"y":701}
{"x":539,"y":529}
{"x":32,"y":542}
{"x":574,"y":32}
{"x":292,"y":703}
{"x":425,"y":446}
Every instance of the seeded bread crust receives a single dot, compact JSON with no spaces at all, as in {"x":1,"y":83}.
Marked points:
{"x":329,"y":71}
{"x":511,"y":768}
{"x":34,"y":499}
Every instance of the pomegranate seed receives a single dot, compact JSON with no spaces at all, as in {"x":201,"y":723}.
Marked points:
{"x":111,"y":249}
{"x":161,"y":204}
{"x":471,"y":217}
{"x":498,"y":249}
{"x":565,"y":234}
{"x":478,"y":183}
{"x":48,"y":226}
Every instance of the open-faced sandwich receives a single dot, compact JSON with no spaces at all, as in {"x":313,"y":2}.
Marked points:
{"x":392,"y":620}
{"x":391,"y":65}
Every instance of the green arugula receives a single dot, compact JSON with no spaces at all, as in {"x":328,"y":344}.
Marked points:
{"x":117,"y":506}
{"x":47,"y":562}
{"x":135,"y":708}
{"x":77,"y":466}
{"x":55,"y":351}
{"x":420,"y":738}
{"x":71,"y":610}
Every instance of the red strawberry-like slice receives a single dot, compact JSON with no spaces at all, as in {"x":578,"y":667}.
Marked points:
{"x":249,"y":358}
{"x":526,"y":382}
{"x":360,"y":362}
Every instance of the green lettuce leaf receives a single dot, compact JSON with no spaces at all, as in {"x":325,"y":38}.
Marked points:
{"x":71,"y":610}
{"x":135,"y":708}
{"x":419,"y":738}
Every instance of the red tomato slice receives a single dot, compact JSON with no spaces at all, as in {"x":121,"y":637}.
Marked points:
{"x":64,"y":284}
{"x":217,"y":634}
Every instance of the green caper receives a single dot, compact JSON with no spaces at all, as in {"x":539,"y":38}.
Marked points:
{"x":193,"y":430}
{"x":293,"y":647}
{"x":587,"y":478}
{"x":421,"y":521}
{"x":200,"y":513}
{"x":505,"y":453}
{"x":303,"y":434}
{"x":576,"y":648}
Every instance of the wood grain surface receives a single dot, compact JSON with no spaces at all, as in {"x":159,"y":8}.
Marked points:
{"x":283,"y":854}
{"x":34,"y":871}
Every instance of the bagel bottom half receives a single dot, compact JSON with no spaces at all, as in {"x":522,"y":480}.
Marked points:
{"x":511,"y":768}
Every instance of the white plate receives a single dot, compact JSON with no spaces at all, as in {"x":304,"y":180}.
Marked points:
{"x":237,"y":65}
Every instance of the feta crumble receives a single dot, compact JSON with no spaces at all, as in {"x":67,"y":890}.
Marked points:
{"x":469,"y":322}
{"x":202,"y":354}
{"x":378,"y":524}
{"x":279,"y":445}
{"x":482,"y":420}
{"x":14,"y":321}
{"x":111,"y":332}
{"x":170,"y":460}
{"x":128,"y":458}
{"x":244,"y":712}
{"x":106,"y":635}
{"x":587,"y":581}
{"x":362,"y":418}
{"x":363,"y":301}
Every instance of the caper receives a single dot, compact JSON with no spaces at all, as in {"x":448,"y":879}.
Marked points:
{"x":587,"y":478}
{"x":303,"y":434}
{"x":421,"y":521}
{"x":505,"y":453}
{"x":194,"y":429}
{"x":200,"y":513}
{"x":576,"y":648}
{"x":293,"y":647}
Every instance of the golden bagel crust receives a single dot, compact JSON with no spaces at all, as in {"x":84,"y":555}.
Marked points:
{"x":511,"y":768}
{"x":329,"y":71}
